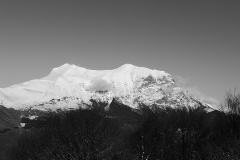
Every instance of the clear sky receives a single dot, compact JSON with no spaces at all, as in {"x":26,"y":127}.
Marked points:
{"x":198,"y":42}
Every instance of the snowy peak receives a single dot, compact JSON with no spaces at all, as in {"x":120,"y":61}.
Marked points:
{"x":68,"y":85}
{"x":64,"y":70}
{"x":142,"y":71}
{"x":125,"y":70}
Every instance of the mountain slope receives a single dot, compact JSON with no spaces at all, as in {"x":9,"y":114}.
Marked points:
{"x":68,"y":86}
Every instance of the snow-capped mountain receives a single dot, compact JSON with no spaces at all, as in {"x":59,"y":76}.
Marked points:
{"x":69,"y":85}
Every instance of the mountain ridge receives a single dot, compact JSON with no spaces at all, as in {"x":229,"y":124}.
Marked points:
{"x":68,"y":86}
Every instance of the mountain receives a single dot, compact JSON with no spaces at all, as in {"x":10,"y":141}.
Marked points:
{"x":122,"y":94}
{"x":68,"y":86}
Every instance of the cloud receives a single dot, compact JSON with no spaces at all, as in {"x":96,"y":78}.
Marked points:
{"x":202,"y":96}
{"x":184,"y":83}
{"x":100,"y":85}
{"x":213,"y":101}
{"x":181,"y":80}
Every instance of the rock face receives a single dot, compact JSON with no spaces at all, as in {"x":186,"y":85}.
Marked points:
{"x":68,"y":86}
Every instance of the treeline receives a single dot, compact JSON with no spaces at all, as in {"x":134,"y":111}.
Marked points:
{"x":162,"y":133}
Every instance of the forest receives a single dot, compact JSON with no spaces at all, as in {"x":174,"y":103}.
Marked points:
{"x":121,"y":133}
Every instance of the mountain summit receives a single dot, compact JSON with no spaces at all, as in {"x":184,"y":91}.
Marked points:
{"x":69,"y":85}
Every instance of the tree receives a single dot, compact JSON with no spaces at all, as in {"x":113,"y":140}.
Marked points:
{"x":80,"y":134}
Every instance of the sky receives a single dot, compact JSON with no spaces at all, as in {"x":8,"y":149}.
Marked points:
{"x":197,"y":42}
